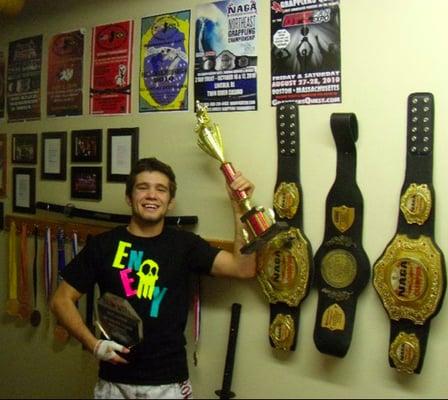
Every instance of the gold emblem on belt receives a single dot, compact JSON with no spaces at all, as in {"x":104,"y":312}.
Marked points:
{"x":286,"y":200}
{"x":333,"y":318}
{"x":282,"y":332}
{"x":405,"y":352}
{"x":342,"y":217}
{"x":415,"y":204}
{"x":408,"y":277}
{"x":284,"y":267}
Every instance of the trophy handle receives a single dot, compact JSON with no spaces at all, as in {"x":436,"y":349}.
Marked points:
{"x":229,"y":173}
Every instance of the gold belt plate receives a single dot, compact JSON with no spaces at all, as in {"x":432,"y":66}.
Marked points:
{"x":405,"y":352}
{"x":281,"y":332}
{"x":416,"y":203}
{"x":409,"y":278}
{"x":286,"y":200}
{"x":284,"y":267}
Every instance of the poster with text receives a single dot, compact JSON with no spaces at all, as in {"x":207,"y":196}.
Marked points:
{"x":111,"y":68}
{"x":305,"y":52}
{"x":164,"y":60}
{"x":2,"y":85}
{"x":225,"y":66}
{"x":64,"y":87}
{"x":23,"y":82}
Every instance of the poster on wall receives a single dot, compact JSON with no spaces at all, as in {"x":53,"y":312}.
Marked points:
{"x":305,"y":52}
{"x":2,"y":85}
{"x":164,"y":60}
{"x":64,"y":84}
{"x":111,"y":68}
{"x":23,"y":81}
{"x":225,"y":70}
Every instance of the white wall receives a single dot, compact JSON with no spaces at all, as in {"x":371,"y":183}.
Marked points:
{"x":389,"y":49}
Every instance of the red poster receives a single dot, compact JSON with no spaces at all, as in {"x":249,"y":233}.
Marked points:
{"x":64,"y":93}
{"x":110,"y":75}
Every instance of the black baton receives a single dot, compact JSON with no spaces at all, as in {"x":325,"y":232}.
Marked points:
{"x":225,"y":392}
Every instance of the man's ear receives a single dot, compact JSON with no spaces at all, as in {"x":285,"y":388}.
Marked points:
{"x":172,"y":204}
{"x":128,"y":200}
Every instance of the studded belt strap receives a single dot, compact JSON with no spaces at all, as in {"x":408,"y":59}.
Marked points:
{"x":285,"y":262}
{"x":342,"y":267}
{"x":410,"y":275}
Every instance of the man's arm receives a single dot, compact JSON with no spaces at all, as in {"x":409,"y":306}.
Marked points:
{"x":63,"y":306}
{"x":235,"y":264}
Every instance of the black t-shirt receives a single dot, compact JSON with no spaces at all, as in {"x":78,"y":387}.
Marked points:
{"x":153,"y":275}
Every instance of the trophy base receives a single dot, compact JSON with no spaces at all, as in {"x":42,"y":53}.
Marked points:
{"x":268,"y":234}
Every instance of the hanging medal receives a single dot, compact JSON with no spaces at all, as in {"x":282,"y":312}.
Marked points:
{"x":12,"y":306}
{"x":60,"y":333}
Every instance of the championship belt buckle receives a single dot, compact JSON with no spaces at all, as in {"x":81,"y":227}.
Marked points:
{"x":409,"y":278}
{"x":283,"y":268}
{"x":405,"y":352}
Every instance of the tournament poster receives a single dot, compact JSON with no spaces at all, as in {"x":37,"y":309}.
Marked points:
{"x":2,"y":85}
{"x":225,"y":55}
{"x":23,"y":80}
{"x":111,"y":68}
{"x":164,"y":61}
{"x":64,"y":84}
{"x":305,"y":51}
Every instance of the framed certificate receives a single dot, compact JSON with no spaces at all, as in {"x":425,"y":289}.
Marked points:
{"x":24,"y":190}
{"x":54,"y":156}
{"x":122,"y":153}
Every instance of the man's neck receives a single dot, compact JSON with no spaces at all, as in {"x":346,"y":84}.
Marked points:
{"x":144,"y":228}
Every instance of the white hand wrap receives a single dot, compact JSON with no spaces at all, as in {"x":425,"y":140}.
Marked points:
{"x":105,"y":350}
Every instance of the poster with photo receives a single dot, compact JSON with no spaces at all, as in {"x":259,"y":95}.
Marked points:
{"x":23,"y":80}
{"x":305,"y":52}
{"x":64,"y":84}
{"x":225,"y":70}
{"x":164,"y":61}
{"x":111,"y":68}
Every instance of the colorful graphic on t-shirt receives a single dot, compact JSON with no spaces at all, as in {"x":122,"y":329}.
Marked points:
{"x":129,"y":260}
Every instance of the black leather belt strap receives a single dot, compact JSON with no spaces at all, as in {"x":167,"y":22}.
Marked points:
{"x":286,"y":263}
{"x":410,"y":275}
{"x":342,"y":266}
{"x":71,"y":211}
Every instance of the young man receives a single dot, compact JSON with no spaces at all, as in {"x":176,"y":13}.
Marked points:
{"x":148,"y":264}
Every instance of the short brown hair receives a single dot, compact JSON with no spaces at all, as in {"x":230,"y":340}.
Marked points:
{"x":151,"y":164}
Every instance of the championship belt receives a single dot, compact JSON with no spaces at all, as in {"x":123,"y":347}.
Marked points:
{"x":285,"y":262}
{"x":342,"y":267}
{"x":410,"y":275}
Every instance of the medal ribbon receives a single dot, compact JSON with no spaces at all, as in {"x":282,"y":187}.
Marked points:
{"x":23,"y":282}
{"x":36,"y":234}
{"x":12,"y":270}
{"x":61,"y":252}
{"x":47,"y":264}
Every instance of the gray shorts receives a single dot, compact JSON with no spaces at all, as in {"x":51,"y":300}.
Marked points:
{"x":111,"y":390}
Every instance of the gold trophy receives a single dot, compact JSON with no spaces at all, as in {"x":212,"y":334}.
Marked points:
{"x":260,"y":223}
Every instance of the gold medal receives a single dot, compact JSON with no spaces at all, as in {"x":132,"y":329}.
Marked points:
{"x":281,"y":332}
{"x":284,"y":267}
{"x":405,"y":352}
{"x":286,"y":200}
{"x":338,"y":268}
{"x":415,"y":204}
{"x":408,"y":277}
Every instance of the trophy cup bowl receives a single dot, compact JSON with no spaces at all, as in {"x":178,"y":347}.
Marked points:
{"x":260,"y":223}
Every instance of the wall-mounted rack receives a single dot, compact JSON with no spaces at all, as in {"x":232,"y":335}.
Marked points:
{"x":81,"y":227}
